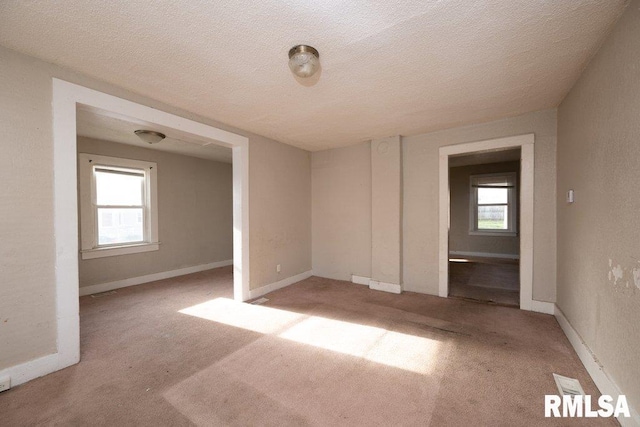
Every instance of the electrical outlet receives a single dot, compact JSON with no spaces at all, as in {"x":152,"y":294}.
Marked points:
{"x":278,"y":268}
{"x":5,"y":383}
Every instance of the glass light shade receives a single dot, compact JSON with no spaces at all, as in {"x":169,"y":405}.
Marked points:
{"x":150,"y":136}
{"x":304,"y":61}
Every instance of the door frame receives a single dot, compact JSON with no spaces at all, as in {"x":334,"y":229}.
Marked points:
{"x":526,"y":145}
{"x":66,"y":98}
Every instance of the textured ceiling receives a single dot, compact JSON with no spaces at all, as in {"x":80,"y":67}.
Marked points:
{"x":388,"y":67}
{"x":99,"y":125}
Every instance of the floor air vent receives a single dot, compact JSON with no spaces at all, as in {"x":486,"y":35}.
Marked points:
{"x":568,"y":386}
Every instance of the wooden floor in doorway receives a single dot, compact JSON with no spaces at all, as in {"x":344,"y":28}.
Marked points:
{"x":488,"y":280}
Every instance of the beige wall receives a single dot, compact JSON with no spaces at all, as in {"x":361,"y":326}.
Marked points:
{"x":341,"y":188}
{"x":421,"y":198}
{"x":459,"y":193}
{"x":195,"y":215}
{"x":280,"y":211}
{"x":386,"y":210}
{"x":598,"y":235}
{"x":27,"y":291}
{"x":342,"y":208}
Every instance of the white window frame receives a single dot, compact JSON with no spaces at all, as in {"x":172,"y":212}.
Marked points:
{"x":512,"y":206}
{"x":90,"y":248}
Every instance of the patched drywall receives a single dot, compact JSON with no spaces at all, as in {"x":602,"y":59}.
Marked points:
{"x":341,"y":199}
{"x":624,"y":278}
{"x":402,"y":67}
{"x":598,"y":245}
{"x":27,"y":294}
{"x":460,"y":240}
{"x":195,"y":215}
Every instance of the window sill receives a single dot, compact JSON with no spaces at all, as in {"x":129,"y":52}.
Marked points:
{"x":494,"y":233}
{"x":119,"y":250}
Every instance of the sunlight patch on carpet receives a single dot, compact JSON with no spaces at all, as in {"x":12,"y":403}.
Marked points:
{"x":408,"y":352}
{"x":255,"y":318}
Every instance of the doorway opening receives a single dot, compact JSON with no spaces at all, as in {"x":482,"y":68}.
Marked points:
{"x":490,"y":213}
{"x":149,"y":211}
{"x":484,"y":245}
{"x":68,"y":98}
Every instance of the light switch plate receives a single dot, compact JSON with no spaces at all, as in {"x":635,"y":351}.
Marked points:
{"x":570,"y":196}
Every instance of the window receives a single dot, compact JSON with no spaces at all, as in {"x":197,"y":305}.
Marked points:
{"x":118,"y":206}
{"x":493,"y":205}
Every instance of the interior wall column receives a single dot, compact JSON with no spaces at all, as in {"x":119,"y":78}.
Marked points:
{"x":386,"y":214}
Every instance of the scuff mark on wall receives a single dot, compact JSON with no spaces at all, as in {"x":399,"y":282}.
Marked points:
{"x":626,"y":277}
{"x":618,"y":273}
{"x":610,"y":273}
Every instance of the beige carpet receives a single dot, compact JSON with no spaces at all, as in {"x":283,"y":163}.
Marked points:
{"x":320,"y":352}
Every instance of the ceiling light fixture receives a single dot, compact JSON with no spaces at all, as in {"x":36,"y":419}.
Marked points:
{"x":304,"y":60}
{"x":150,"y":136}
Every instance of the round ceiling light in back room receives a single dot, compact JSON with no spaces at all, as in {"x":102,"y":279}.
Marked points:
{"x":304,"y":60}
{"x":150,"y":136}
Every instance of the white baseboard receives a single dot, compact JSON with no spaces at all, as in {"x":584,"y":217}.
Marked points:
{"x":376,"y":285}
{"x":484,"y":255}
{"x":263,"y":290}
{"x":604,"y":383}
{"x":385,"y":287}
{"x":537,"y":306}
{"x":360,"y":280}
{"x":543,"y":307}
{"x":109,"y":286}
{"x":32,"y":369}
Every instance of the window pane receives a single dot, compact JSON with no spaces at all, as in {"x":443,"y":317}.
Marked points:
{"x":492,"y":196}
{"x":492,"y":218}
{"x":113,"y":188}
{"x":117,"y":225}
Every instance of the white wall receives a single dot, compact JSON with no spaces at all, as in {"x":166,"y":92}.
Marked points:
{"x":341,"y":225}
{"x":27,"y":302}
{"x":195,"y":210}
{"x":599,"y":235}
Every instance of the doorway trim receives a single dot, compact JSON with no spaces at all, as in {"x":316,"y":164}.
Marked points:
{"x":526,"y":144}
{"x":66,"y":97}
